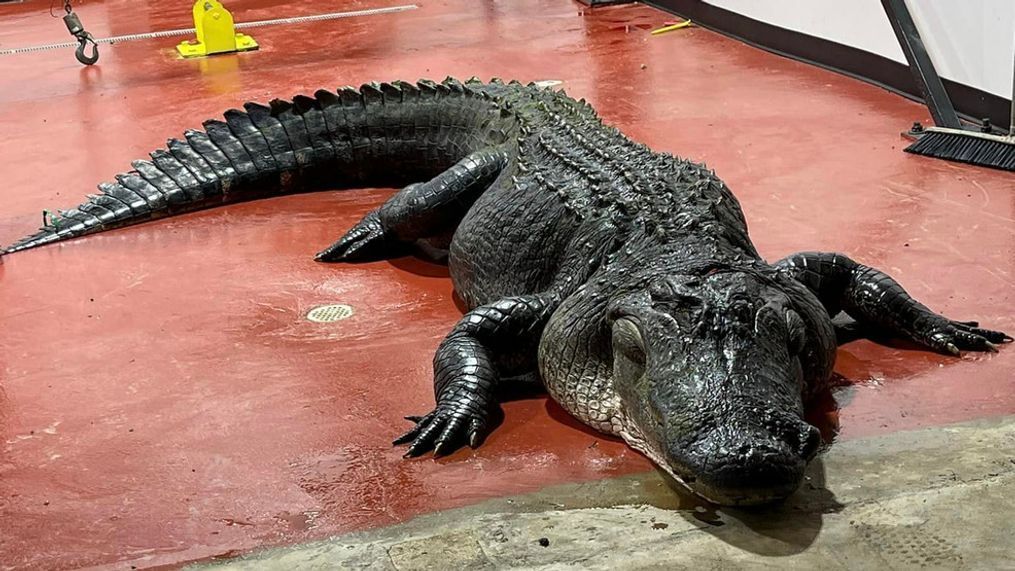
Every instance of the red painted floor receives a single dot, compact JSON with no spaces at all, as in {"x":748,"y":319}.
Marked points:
{"x":162,"y":398}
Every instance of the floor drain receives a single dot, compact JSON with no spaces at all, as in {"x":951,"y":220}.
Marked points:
{"x":329,"y":313}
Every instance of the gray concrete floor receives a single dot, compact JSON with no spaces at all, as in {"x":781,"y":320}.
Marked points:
{"x":941,"y":498}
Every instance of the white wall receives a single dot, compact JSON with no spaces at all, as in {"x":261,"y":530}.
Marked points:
{"x":971,"y":41}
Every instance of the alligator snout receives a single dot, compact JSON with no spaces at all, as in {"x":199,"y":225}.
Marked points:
{"x":748,"y":467}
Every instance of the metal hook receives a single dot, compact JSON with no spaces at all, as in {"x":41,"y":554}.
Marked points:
{"x":83,"y":40}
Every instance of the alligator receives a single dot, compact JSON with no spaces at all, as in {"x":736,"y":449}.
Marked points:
{"x":624,"y":279}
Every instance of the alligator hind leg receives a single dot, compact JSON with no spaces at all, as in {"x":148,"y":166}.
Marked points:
{"x":419,"y":211}
{"x":490,"y":343}
{"x":878,"y":303}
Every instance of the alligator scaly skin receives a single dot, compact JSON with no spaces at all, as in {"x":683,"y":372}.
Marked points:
{"x":623,"y":278}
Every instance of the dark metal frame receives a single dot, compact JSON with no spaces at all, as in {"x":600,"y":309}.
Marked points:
{"x":927,"y":79}
{"x":972,"y":104}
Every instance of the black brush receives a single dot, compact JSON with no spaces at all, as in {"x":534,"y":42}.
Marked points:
{"x":948,"y":139}
{"x":982,"y":149}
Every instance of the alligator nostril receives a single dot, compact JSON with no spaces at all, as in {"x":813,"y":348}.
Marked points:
{"x":810,"y":439}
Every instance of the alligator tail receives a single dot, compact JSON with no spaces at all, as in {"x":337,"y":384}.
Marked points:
{"x":380,"y":134}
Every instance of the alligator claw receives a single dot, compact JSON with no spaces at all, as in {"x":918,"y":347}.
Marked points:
{"x":443,"y":448}
{"x":414,"y":451}
{"x":992,"y":336}
{"x":443,"y":431}
{"x":424,"y":441}
{"x":476,"y":432}
{"x":411,"y":434}
{"x":953,"y":337}
{"x":405,"y":438}
{"x":363,"y":242}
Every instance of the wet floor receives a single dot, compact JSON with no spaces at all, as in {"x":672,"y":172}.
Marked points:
{"x":899,"y":501}
{"x":164,"y":399}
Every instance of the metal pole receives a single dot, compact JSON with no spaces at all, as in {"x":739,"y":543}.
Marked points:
{"x":927,"y":80}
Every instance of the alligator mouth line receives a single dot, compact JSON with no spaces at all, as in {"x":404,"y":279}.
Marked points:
{"x":637,"y":442}
{"x":691,"y":483}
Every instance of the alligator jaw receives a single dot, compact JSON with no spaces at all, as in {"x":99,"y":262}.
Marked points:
{"x":697,"y":487}
{"x":638,"y":442}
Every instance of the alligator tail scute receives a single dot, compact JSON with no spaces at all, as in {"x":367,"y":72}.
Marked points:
{"x":278,"y":148}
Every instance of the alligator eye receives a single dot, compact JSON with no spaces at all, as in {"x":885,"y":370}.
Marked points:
{"x":797,"y":331}
{"x":628,"y":341}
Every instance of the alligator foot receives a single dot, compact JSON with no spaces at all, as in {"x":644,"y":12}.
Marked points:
{"x":445,"y":430}
{"x":947,"y":336}
{"x":491,"y":345}
{"x":880,"y":304}
{"x":364,"y":242}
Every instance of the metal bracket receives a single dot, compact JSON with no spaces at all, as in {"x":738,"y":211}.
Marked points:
{"x":216,"y":32}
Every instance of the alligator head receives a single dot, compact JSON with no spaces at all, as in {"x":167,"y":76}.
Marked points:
{"x":709,"y":377}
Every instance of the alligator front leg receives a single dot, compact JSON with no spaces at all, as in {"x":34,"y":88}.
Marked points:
{"x":491,"y":342}
{"x":876,"y":300}
{"x":421,"y":210}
